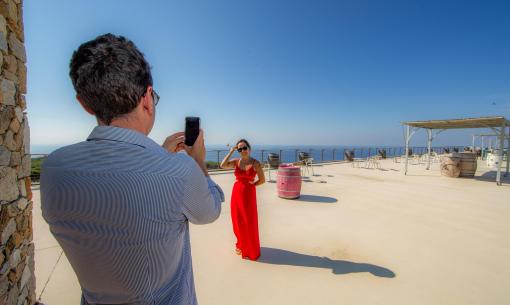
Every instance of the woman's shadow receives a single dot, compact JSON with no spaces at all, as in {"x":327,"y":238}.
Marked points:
{"x":284,"y":257}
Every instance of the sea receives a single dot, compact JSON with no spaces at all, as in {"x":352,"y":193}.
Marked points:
{"x":287,"y":153}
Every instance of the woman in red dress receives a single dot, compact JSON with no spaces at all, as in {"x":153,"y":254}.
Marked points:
{"x":243,"y":205}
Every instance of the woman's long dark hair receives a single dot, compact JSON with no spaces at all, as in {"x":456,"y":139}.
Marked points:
{"x":245,"y":142}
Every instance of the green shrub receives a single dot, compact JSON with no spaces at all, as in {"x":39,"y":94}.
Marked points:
{"x":36,"y":168}
{"x":212,"y":164}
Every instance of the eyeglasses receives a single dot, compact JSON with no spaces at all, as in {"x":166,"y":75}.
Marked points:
{"x":242,"y":148}
{"x":155,"y":97}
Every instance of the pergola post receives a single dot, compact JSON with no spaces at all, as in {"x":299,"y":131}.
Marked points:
{"x":408,"y":133}
{"x":501,"y":148}
{"x":429,"y":144}
{"x":482,"y":143}
{"x":507,"y":151}
{"x":474,"y":142}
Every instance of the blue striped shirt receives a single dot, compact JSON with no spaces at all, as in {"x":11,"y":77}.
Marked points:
{"x":119,"y":206}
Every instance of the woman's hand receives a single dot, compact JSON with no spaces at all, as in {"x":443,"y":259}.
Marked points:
{"x":233,"y":149}
{"x":174,"y":143}
{"x":260,"y":174}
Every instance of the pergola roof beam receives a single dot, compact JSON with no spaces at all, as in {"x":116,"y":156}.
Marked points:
{"x":482,"y":122}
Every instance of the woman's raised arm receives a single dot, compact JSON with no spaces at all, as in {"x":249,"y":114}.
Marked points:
{"x":227,"y":163}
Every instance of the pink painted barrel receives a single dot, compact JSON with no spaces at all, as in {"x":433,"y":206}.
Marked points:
{"x":288,"y":182}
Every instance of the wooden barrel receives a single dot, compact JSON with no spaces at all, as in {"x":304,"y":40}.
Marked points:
{"x":450,"y":166}
{"x":467,"y":164}
{"x":288,"y":182}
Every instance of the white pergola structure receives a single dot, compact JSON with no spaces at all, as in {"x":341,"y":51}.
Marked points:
{"x":482,"y":136}
{"x":498,"y":124}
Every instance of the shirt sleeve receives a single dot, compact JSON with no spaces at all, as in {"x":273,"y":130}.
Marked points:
{"x":202,"y":198}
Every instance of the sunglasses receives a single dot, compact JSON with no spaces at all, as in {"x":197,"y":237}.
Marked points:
{"x":242,"y":148}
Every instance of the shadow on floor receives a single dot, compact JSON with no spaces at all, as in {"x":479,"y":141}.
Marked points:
{"x":288,"y":258}
{"x":426,"y":174}
{"x":303,"y":179}
{"x":377,"y":168}
{"x":487,"y":177}
{"x":315,"y":198}
{"x":491,"y":177}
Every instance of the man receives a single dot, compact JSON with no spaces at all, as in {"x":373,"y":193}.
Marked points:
{"x":118,"y":203}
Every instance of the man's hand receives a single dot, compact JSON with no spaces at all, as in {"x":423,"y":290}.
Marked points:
{"x":197,"y":151}
{"x":174,"y":143}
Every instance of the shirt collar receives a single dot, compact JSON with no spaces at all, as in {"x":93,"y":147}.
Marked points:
{"x":125,"y":135}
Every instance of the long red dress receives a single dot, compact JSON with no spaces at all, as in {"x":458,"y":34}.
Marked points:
{"x":243,"y":207}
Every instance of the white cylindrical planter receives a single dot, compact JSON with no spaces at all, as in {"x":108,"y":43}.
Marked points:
{"x":493,"y":159}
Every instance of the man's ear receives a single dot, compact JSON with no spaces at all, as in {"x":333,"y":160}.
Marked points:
{"x":147,"y":102}
{"x":85,"y":106}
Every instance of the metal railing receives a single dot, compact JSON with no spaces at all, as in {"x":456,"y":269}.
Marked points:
{"x":319,"y":155}
{"x":322,"y":155}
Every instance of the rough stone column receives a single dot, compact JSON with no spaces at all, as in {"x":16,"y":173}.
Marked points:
{"x":17,"y":281}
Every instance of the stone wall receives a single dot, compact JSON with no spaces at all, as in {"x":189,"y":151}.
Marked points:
{"x":17,"y":281}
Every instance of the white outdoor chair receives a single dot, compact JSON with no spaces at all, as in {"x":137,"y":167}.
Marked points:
{"x":273,"y":161}
{"x":360,"y":162}
{"x":373,"y":162}
{"x":415,"y":160}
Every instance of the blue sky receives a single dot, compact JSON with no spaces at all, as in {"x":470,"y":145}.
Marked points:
{"x":283,"y":72}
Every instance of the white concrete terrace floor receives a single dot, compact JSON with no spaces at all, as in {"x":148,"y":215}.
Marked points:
{"x":356,"y":236}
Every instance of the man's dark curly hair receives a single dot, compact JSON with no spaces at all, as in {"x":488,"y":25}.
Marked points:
{"x":110,"y":75}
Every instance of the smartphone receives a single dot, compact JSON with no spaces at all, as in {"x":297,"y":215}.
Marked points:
{"x":191,"y":130}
